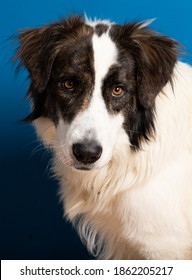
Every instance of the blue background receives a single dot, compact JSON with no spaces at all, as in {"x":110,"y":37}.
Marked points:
{"x":31,"y":218}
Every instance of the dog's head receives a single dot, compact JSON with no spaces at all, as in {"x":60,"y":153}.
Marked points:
{"x":96,"y":83}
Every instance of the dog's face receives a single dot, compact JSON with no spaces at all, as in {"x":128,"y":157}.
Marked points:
{"x":97,"y":84}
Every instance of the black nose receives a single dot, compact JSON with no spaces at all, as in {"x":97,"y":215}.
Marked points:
{"x":87,"y":152}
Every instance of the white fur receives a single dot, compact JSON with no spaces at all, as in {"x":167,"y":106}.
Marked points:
{"x":139,"y":205}
{"x":93,"y":23}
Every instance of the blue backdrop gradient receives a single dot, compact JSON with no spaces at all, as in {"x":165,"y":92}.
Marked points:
{"x":31,"y":218}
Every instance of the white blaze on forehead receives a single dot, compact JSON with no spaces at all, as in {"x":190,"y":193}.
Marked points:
{"x":105,"y":55}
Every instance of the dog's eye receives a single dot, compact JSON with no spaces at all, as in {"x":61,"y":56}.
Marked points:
{"x":69,"y":84}
{"x":118,"y":91}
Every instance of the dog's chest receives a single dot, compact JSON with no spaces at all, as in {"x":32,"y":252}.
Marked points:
{"x":148,"y":219}
{"x":137,"y":221}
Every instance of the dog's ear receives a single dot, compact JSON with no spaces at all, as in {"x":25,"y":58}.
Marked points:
{"x":38,"y":49}
{"x":154,"y":55}
{"x":36,"y":54}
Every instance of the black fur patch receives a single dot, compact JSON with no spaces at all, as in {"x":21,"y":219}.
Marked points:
{"x":101,"y":28}
{"x":154,"y":55}
{"x":73,"y":63}
{"x":147,"y":59}
{"x":52,"y":54}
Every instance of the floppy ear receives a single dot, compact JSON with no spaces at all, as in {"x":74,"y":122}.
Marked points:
{"x":36,"y":54}
{"x":38,"y":48}
{"x":155,"y":57}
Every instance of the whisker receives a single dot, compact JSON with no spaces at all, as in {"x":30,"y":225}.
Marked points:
{"x":49,"y":168}
{"x":37,"y":149}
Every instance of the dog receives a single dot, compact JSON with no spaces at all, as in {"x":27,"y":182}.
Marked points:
{"x":114,"y":104}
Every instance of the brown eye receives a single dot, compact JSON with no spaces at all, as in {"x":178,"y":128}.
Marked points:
{"x":118,"y":91}
{"x":69,"y":84}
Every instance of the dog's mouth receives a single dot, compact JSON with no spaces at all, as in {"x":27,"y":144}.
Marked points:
{"x":88,"y":167}
{"x":83,"y":168}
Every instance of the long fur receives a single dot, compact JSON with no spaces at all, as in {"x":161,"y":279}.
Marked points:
{"x":139,"y":205}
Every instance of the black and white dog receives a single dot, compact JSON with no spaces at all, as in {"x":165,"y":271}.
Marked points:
{"x":115,"y":105}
